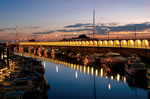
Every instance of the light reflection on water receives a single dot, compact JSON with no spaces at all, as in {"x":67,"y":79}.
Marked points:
{"x":72,"y":81}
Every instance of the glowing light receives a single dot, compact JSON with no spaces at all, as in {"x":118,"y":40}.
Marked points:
{"x":56,"y":68}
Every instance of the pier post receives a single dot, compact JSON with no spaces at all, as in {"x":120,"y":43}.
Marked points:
{"x":7,"y":56}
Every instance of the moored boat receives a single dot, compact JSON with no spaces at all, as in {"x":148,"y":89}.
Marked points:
{"x":113,"y":60}
{"x":135,"y":67}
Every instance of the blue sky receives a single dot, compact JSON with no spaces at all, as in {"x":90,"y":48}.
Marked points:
{"x":50,"y":15}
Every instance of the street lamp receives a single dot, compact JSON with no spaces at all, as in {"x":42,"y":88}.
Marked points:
{"x":75,"y":33}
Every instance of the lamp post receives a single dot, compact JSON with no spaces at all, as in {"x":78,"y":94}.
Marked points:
{"x":75,"y":33}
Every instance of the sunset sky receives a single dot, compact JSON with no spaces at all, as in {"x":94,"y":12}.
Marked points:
{"x":55,"y":19}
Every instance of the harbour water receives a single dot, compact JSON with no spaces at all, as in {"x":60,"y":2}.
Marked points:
{"x":70,"y":81}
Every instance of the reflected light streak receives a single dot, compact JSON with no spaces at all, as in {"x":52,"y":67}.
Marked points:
{"x":76,"y":74}
{"x":101,"y":72}
{"x":118,"y":77}
{"x":124,"y":79}
{"x":56,"y":68}
{"x":88,"y":70}
{"x":80,"y":68}
{"x":92,"y":71}
{"x":96,"y":72}
{"x":84,"y":69}
{"x":112,"y":77}
{"x":109,"y":86}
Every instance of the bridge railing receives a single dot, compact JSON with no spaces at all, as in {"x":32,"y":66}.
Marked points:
{"x":99,"y":43}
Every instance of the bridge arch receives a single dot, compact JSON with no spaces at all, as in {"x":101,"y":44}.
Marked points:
{"x":87,"y":43}
{"x":116,"y":43}
{"x":145,"y":43}
{"x":95,"y":43}
{"x":138,"y":43}
{"x":110,"y":43}
{"x":130,"y":43}
{"x":91,"y":43}
{"x":79,"y":43}
{"x":71,"y":43}
{"x":105,"y":43}
{"x":124,"y":43}
{"x":83,"y":43}
{"x":100,"y":43}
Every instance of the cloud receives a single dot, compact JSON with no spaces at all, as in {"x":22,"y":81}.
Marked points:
{"x":47,"y":32}
{"x":78,"y":25}
{"x":34,"y":27}
{"x":7,"y":29}
{"x":101,"y":29}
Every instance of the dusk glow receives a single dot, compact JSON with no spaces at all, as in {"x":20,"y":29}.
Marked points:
{"x":70,"y":18}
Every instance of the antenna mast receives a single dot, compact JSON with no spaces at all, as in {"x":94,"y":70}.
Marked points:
{"x":16,"y":33}
{"x":93,"y":22}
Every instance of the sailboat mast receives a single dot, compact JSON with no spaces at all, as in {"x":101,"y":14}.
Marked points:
{"x":93,"y":22}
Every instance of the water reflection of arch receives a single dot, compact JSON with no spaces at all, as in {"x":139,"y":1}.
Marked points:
{"x":110,"y":43}
{"x":145,"y":43}
{"x":130,"y":43}
{"x":105,"y":43}
{"x":124,"y":43}
{"x":116,"y":43}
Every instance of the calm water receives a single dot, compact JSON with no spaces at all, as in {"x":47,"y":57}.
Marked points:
{"x":70,"y":81}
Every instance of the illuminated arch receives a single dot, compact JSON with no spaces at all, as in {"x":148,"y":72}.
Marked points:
{"x":100,"y":43}
{"x":124,"y":43}
{"x":87,"y":43}
{"x":91,"y":43}
{"x":138,"y":43}
{"x":95,"y":43}
{"x":116,"y":43}
{"x":79,"y":43}
{"x":110,"y":43}
{"x":83,"y":43}
{"x":130,"y":43}
{"x":71,"y":43}
{"x":105,"y":43}
{"x":145,"y":43}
